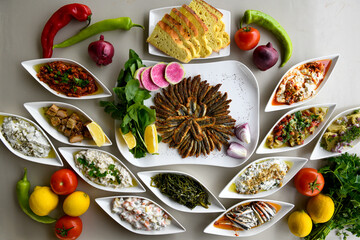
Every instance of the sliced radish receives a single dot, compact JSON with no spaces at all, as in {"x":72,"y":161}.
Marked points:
{"x":174,"y":72}
{"x":157,"y":75}
{"x":137,"y":75}
{"x":146,"y":80}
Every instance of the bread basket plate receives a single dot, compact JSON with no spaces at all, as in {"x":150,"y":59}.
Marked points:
{"x":242,"y":88}
{"x":155,"y":15}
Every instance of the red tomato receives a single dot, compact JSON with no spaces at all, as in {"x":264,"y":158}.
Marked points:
{"x":309,"y":182}
{"x":63,"y":182}
{"x":247,"y":38}
{"x":68,"y":228}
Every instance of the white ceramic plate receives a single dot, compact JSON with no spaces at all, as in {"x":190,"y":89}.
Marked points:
{"x":53,"y":160}
{"x":215,"y":206}
{"x":35,"y":109}
{"x":156,"y":15}
{"x":320,"y":153}
{"x":285,"y":208}
{"x":69,"y":153}
{"x":295,"y":163}
{"x":263,"y":149}
{"x":271,"y":107}
{"x":31,"y":65}
{"x":240,"y":84}
{"x":106,"y":203}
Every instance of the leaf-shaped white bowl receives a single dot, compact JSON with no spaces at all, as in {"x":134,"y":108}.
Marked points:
{"x":32,"y":65}
{"x":69,"y":154}
{"x":295,"y":164}
{"x":174,"y":227}
{"x":275,"y":107}
{"x":263,"y":149}
{"x":35,"y":109}
{"x":53,"y":159}
{"x":215,"y":206}
{"x":320,"y":153}
{"x":285,"y":208}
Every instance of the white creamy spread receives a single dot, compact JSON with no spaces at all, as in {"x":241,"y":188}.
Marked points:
{"x":99,"y":163}
{"x":25,"y":138}
{"x":140,"y":213}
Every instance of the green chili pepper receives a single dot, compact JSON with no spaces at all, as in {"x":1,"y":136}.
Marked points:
{"x":22,"y":192}
{"x":269,"y":23}
{"x":123,"y":23}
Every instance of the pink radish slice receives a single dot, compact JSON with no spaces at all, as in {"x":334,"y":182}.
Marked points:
{"x":157,"y":75}
{"x":137,"y":75}
{"x":146,"y":80}
{"x":174,"y":72}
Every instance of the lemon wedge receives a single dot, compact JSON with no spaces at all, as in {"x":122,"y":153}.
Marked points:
{"x":151,"y":139}
{"x":129,"y":139}
{"x":97,"y":133}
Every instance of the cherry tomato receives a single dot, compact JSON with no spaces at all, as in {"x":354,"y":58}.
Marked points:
{"x":68,"y":228}
{"x":63,"y":182}
{"x":247,"y":38}
{"x":309,"y":182}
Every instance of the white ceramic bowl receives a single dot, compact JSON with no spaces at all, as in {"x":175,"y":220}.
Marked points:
{"x":69,"y":155}
{"x":295,"y":164}
{"x":285,"y":208}
{"x":320,"y":153}
{"x":272,"y":107}
{"x":263,"y":149}
{"x":53,"y":161}
{"x":35,"y":109}
{"x":215,"y":206}
{"x":106,"y":202}
{"x":31,"y":65}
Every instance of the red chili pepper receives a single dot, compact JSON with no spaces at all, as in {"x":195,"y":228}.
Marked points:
{"x":59,"y":20}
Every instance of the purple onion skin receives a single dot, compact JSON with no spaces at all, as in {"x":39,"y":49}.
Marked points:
{"x":101,"y":51}
{"x":242,"y":132}
{"x":265,"y":56}
{"x":236,"y":150}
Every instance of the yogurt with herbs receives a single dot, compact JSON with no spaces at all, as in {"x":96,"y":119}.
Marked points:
{"x":25,"y":137}
{"x":102,"y":169}
{"x":141,"y":213}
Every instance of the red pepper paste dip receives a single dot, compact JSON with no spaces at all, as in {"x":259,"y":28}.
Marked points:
{"x":66,"y":78}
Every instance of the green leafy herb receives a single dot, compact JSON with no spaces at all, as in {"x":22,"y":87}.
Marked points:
{"x":80,"y":82}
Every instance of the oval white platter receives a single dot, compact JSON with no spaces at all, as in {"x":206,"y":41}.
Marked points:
{"x":30,"y":66}
{"x":271,"y":107}
{"x":155,"y":15}
{"x":320,"y":153}
{"x":174,"y":227}
{"x":215,"y":206}
{"x":35,"y":109}
{"x":242,"y":87}
{"x":263,"y":149}
{"x":53,"y":161}
{"x":69,"y":153}
{"x":285,"y":208}
{"x":295,"y":164}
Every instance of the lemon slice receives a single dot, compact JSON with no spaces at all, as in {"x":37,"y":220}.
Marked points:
{"x":151,"y":139}
{"x":97,"y":133}
{"x":129,"y":139}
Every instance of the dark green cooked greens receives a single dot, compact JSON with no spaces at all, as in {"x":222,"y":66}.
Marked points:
{"x":182,"y":189}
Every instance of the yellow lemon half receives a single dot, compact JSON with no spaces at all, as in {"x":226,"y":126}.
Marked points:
{"x":43,"y":200}
{"x":151,"y":139}
{"x":129,"y":139}
{"x":300,"y":223}
{"x":320,"y":208}
{"x":76,"y":204}
{"x":97,"y":133}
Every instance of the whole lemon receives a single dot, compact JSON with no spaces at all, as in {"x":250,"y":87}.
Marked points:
{"x":320,"y":208}
{"x":43,"y":200}
{"x":300,"y":223}
{"x":76,"y":204}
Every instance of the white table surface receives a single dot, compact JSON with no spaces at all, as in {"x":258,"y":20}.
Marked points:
{"x":317,"y":28}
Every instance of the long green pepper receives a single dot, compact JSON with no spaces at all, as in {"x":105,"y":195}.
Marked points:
{"x":123,"y":23}
{"x":269,"y":23}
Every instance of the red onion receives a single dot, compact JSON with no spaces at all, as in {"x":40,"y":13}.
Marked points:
{"x":101,"y":51}
{"x":265,"y":56}
{"x":242,"y":132}
{"x":236,"y":150}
